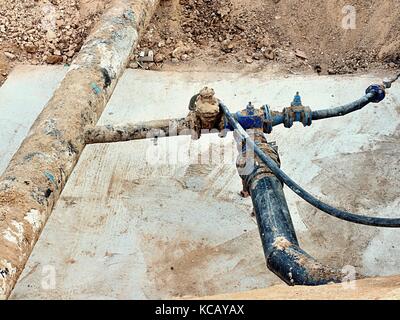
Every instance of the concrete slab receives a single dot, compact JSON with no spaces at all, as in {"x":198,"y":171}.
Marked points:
{"x":22,"y":98}
{"x":138,"y":220}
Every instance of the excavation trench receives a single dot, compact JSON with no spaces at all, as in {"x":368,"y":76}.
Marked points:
{"x":38,"y":172}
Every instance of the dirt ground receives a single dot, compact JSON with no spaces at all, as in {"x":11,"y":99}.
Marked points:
{"x":294,"y":36}
{"x":386,"y":288}
{"x":44,"y":31}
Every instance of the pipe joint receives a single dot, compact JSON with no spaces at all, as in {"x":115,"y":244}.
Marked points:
{"x":205,"y":113}
{"x":250,"y":167}
{"x":295,"y":267}
{"x":297,"y":113}
{"x":378,"y":92}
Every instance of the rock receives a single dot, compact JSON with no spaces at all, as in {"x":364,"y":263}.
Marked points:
{"x":31,"y":48}
{"x":40,"y":27}
{"x":179,"y":51}
{"x":70,"y":53}
{"x":226,"y":46}
{"x":318,"y":68}
{"x":257,"y":55}
{"x":224,"y":11}
{"x":269,"y":54}
{"x":54,"y":59}
{"x":10,"y":55}
{"x":159,"y":57}
{"x":249,"y":60}
{"x":133,"y":65}
{"x":51,"y":35}
{"x":331,"y":71}
{"x":301,"y":54}
{"x":152,"y":66}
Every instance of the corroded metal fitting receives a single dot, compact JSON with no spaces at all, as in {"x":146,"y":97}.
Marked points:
{"x":297,"y":113}
{"x":205,"y":113}
{"x":249,"y":165}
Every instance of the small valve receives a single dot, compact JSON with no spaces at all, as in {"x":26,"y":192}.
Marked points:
{"x":296,"y":100}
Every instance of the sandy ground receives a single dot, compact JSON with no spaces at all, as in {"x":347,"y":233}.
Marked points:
{"x":367,"y":289}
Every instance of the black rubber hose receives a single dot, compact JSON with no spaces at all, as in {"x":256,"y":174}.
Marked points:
{"x":341,"y":214}
{"x":343,"y":110}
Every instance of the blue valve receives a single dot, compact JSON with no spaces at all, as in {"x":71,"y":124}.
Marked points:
{"x":378,"y":91}
{"x":296,"y":101}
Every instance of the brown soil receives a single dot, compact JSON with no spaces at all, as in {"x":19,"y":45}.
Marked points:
{"x":386,"y":288}
{"x":44,"y":31}
{"x":293,"y":36}
{"x":233,"y":35}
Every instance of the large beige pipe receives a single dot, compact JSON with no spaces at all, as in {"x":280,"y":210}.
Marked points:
{"x":137,"y":131}
{"x":37,"y":173}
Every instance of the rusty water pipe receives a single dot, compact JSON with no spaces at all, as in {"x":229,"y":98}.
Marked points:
{"x":137,"y":131}
{"x":39,"y":170}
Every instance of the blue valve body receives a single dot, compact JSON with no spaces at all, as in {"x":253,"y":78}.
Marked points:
{"x":378,"y":91}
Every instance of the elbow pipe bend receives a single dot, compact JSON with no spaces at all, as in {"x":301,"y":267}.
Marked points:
{"x":284,"y":257}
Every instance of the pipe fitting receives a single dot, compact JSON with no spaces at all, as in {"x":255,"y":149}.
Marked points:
{"x":249,"y":165}
{"x":297,"y":113}
{"x":205,"y":113}
{"x":283,"y":255}
{"x":378,"y":91}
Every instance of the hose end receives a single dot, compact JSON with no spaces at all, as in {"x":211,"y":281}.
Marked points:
{"x":387,"y":83}
{"x":378,"y":91}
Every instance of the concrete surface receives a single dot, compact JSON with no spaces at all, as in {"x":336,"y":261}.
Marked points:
{"x":128,"y":226}
{"x":23,"y":95}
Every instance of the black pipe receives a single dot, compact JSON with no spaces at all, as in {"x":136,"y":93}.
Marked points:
{"x":343,"y":110}
{"x":283,"y":255}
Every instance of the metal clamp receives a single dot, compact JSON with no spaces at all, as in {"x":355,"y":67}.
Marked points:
{"x":268,"y":121}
